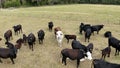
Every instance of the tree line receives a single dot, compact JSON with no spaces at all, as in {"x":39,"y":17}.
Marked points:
{"x":18,"y":3}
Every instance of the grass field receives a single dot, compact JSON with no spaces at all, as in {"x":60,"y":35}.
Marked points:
{"x":68,"y":17}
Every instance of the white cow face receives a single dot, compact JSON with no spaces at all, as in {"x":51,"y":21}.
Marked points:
{"x":89,"y":55}
{"x":59,"y":36}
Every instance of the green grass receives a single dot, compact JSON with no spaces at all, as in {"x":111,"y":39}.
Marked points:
{"x":68,"y":17}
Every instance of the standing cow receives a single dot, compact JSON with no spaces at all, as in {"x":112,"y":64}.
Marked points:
{"x":50,"y":25}
{"x":8,"y":35}
{"x":31,"y":40}
{"x":41,"y":35}
{"x":17,"y":28}
{"x":74,"y":54}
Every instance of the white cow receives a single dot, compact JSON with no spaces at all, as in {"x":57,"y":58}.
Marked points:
{"x":59,"y":36}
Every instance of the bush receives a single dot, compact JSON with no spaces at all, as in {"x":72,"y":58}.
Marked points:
{"x":13,"y":3}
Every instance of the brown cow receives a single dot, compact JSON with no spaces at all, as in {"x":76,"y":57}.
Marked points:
{"x":7,"y":35}
{"x":19,"y":43}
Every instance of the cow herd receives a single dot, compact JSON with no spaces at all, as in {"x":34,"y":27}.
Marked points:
{"x":78,"y":52}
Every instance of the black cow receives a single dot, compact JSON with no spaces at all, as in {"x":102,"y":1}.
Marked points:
{"x":31,"y":40}
{"x":10,"y":52}
{"x":115,"y":43}
{"x":90,"y":47}
{"x":50,"y":25}
{"x":41,"y":35}
{"x":69,"y":37}
{"x":8,"y":35}
{"x":96,"y":28}
{"x":17,"y":28}
{"x":88,"y":33}
{"x":73,"y":54}
{"x":83,"y":27}
{"x":24,"y":38}
{"x":107,"y":34}
{"x":105,"y":51}
{"x":98,"y":63}
{"x":77,"y":45}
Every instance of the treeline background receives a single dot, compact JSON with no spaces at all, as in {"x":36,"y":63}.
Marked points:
{"x":18,"y":3}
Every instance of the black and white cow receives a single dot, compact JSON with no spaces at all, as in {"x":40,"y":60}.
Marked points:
{"x":74,"y":54}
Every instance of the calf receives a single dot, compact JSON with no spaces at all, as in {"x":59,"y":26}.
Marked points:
{"x":115,"y":43}
{"x":31,"y":40}
{"x":24,"y":38}
{"x":96,"y":28}
{"x":107,"y":34}
{"x":105,"y":52}
{"x":88,"y":33}
{"x":50,"y":25}
{"x":83,"y":27}
{"x":41,"y":35}
{"x":8,"y":35}
{"x":98,"y":63}
{"x":69,"y":37}
{"x":10,"y":52}
{"x":17,"y":28}
{"x":74,"y":54}
{"x":18,"y":44}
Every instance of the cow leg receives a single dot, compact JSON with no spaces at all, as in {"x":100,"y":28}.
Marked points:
{"x":39,"y":41}
{"x":97,"y":32}
{"x":12,"y":60}
{"x":78,"y":62}
{"x":109,"y":54}
{"x":67,"y":40}
{"x":1,"y":60}
{"x":32,"y":47}
{"x":64,"y":60}
{"x":104,"y":56}
{"x":116,"y":52}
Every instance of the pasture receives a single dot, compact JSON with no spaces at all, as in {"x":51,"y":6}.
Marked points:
{"x":68,"y":17}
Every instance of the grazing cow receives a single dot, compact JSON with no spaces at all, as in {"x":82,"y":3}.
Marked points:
{"x":17,"y":29}
{"x":115,"y":43}
{"x":107,"y":34}
{"x":105,"y":51}
{"x":31,"y":40}
{"x":88,"y":33}
{"x":69,"y":37}
{"x":8,"y":35}
{"x":50,"y":25}
{"x":41,"y":35}
{"x":74,"y":54}
{"x":98,"y":63}
{"x":0,"y":39}
{"x":24,"y":38}
{"x":56,"y":29}
{"x":96,"y":28}
{"x":83,"y":27}
{"x":59,"y":37}
{"x":10,"y":52}
{"x":90,"y":47}
{"x":19,"y":43}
